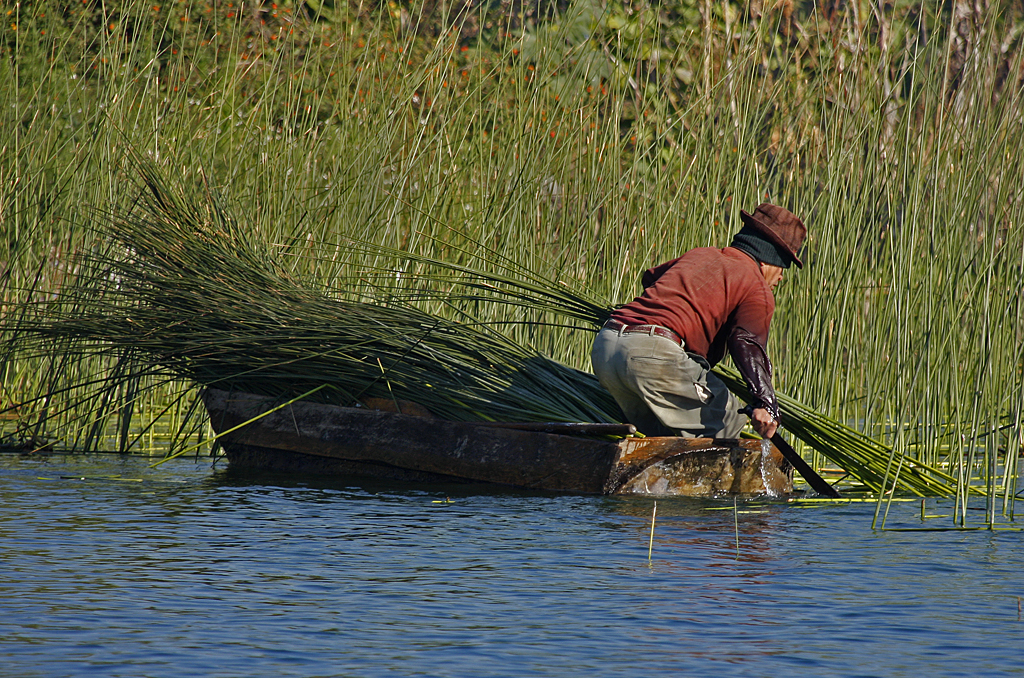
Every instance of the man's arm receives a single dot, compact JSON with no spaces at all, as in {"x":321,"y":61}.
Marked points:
{"x":751,"y":359}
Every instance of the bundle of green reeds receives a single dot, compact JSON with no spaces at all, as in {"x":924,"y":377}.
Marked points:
{"x":869,"y":461}
{"x":186,"y":291}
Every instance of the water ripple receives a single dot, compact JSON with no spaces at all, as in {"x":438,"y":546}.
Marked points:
{"x":114,"y":569}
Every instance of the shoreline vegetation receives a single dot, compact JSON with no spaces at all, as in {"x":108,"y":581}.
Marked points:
{"x":581,"y":143}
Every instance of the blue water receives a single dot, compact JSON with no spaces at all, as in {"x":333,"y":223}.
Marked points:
{"x":185,"y":570}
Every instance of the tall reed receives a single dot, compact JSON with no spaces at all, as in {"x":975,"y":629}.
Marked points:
{"x":585,"y":154}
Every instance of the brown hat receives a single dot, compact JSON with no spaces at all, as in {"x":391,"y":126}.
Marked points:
{"x":778,"y":225}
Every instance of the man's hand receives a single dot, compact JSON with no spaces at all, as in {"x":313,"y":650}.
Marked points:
{"x":763,"y":423}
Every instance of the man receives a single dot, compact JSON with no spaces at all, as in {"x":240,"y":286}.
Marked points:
{"x":655,"y":353}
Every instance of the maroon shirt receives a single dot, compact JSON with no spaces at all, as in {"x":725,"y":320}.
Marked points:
{"x":703,"y":296}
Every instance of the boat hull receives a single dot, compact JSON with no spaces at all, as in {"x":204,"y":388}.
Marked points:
{"x":257,"y":433}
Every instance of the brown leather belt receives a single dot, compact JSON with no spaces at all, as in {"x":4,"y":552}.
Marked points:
{"x":655,"y":330}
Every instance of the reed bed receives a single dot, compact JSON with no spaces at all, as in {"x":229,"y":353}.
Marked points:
{"x":583,"y":155}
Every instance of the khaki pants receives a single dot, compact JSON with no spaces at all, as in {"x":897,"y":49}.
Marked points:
{"x":661,"y":389}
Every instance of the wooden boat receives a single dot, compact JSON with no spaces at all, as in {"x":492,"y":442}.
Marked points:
{"x":257,"y":433}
